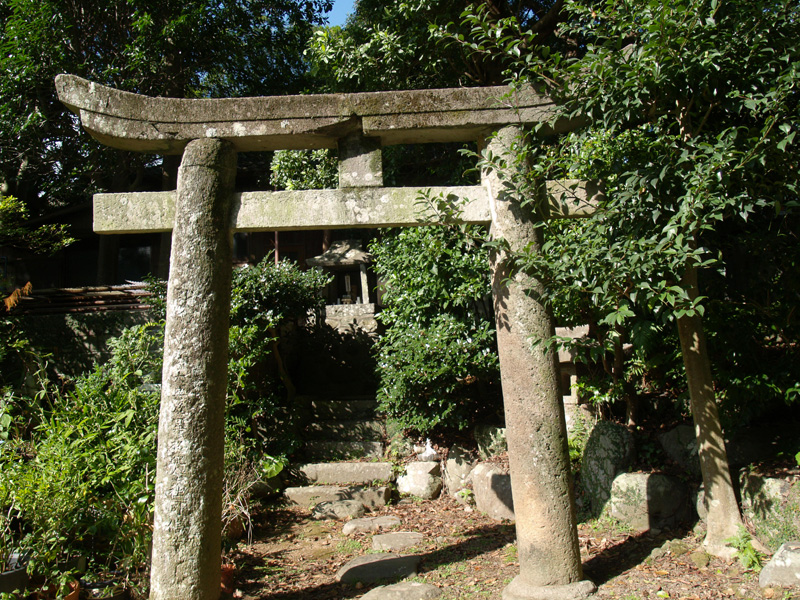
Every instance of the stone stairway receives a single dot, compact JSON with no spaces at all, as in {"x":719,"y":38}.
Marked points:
{"x":342,"y":427}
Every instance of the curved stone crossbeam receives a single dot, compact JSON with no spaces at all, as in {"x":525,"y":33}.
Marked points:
{"x":165,"y":125}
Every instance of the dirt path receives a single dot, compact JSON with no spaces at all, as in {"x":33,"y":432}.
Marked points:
{"x":470,"y":556}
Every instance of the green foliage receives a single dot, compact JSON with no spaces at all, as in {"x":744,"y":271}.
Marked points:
{"x":304,"y":170}
{"x":160,"y":49}
{"x":77,"y":468}
{"x":266,"y":294}
{"x":690,"y":122}
{"x":14,"y":232}
{"x":750,"y":558}
{"x":437,"y":359}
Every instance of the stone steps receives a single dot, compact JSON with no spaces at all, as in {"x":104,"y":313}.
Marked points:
{"x":343,"y":427}
{"x":350,"y":430}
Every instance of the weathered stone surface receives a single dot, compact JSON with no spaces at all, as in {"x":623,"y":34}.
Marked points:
{"x":421,"y":480}
{"x":352,"y":319}
{"x":370,"y":524}
{"x":342,"y":449}
{"x":397,"y":541}
{"x":360,"y":162}
{"x":492,"y":488}
{"x":347,"y":472}
{"x":680,"y":444}
{"x":368,"y":431}
{"x":405,"y":590}
{"x":340,"y":510}
{"x":165,"y":125}
{"x":608,"y":452}
{"x":457,"y":469}
{"x":647,"y":501}
{"x":519,"y":589}
{"x":772,"y":505}
{"x":295,"y":209}
{"x":312,"y":495}
{"x":784,"y":568}
{"x":375,"y":567}
{"x":491,"y":441}
{"x":289,"y":210}
{"x":187,"y":533}
{"x":547,"y":536}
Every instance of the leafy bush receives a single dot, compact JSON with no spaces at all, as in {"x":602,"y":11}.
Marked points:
{"x":437,"y":360}
{"x":77,"y":472}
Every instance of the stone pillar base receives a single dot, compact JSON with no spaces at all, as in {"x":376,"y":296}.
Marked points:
{"x":519,"y":589}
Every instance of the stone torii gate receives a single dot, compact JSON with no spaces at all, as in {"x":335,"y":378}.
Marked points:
{"x":204,"y":211}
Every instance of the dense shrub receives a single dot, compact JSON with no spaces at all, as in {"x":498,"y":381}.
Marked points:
{"x":77,"y":463}
{"x":437,"y":360}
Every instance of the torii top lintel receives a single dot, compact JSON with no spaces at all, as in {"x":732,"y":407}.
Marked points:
{"x":165,"y":125}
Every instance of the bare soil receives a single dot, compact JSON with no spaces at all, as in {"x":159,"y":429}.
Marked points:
{"x":468,"y":555}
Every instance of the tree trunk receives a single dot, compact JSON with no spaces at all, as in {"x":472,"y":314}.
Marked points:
{"x":724,"y":518}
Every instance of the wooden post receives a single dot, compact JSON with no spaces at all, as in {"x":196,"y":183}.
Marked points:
{"x":191,"y":429}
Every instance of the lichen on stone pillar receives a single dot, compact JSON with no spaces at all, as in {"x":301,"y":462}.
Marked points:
{"x":547,"y":538}
{"x":191,"y":429}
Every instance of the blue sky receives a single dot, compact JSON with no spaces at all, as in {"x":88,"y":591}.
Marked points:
{"x":341,"y":8}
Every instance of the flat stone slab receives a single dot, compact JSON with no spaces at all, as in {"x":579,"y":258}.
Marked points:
{"x":370,"y":524}
{"x":783,"y":570}
{"x":397,"y":541}
{"x":405,"y":590}
{"x":375,"y":567}
{"x":311,"y":495}
{"x":341,"y":510}
{"x":347,"y":472}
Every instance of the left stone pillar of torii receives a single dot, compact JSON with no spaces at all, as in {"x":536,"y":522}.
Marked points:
{"x":191,"y":427}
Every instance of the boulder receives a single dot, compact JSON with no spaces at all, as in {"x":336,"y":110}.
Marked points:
{"x":648,"y":501}
{"x":341,"y":510}
{"x":370,"y":524}
{"x":783,"y":570}
{"x":375,"y":567}
{"x":457,"y":469}
{"x":421,"y":480}
{"x":609,"y":452}
{"x":491,"y":441}
{"x":405,"y":590}
{"x":492,"y":488}
{"x":772,"y":505}
{"x":397,"y":541}
{"x":680,"y":444}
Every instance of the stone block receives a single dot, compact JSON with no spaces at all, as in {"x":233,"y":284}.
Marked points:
{"x":492,"y":489}
{"x":648,"y":501}
{"x":311,"y":495}
{"x":609,"y":451}
{"x":376,"y":567}
{"x":680,"y":444}
{"x":405,"y":590}
{"x":783,"y":570}
{"x":344,"y":472}
{"x":397,"y":541}
{"x":370,"y":524}
{"x":421,"y":480}
{"x":457,"y":471}
{"x":341,"y":510}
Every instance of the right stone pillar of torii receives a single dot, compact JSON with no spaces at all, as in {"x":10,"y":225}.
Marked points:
{"x":541,"y":482}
